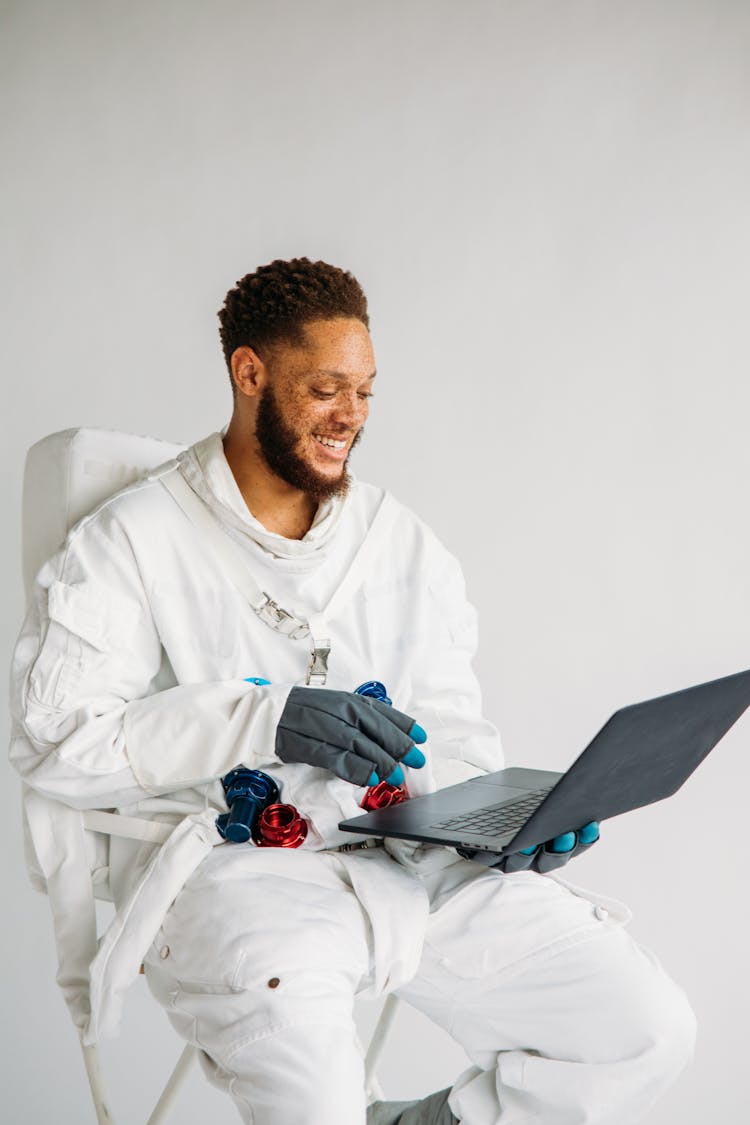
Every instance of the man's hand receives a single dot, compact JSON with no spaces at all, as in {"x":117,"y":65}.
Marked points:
{"x":544,"y":857}
{"x":555,"y":853}
{"x":359,"y":739}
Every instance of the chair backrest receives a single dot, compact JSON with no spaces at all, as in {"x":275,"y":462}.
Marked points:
{"x":70,"y":473}
{"x":66,"y":476}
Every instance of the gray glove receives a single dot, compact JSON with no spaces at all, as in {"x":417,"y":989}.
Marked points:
{"x":555,"y":853}
{"x":353,"y":736}
{"x":543,"y":858}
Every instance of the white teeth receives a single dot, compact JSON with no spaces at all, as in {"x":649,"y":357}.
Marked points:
{"x":330,"y":441}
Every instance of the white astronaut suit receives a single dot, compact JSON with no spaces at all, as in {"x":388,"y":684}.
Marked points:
{"x":130,"y":693}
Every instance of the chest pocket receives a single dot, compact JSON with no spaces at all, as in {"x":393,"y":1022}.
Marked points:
{"x":87,"y":646}
{"x":198,"y":621}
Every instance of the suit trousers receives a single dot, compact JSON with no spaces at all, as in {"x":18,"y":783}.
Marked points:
{"x":564,"y":1018}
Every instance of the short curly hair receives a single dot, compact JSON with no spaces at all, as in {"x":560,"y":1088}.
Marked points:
{"x":272,"y":305}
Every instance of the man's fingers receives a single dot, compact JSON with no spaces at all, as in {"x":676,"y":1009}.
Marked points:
{"x":404,"y":722}
{"x":549,"y":861}
{"x":549,"y":858}
{"x":383,"y":763}
{"x":357,"y":718}
{"x":390,"y":729}
{"x":589,"y":834}
{"x":518,"y":862}
{"x":396,"y":778}
{"x":351,"y":767}
{"x":561,"y":844}
{"x":555,"y":853}
{"x":396,"y":737}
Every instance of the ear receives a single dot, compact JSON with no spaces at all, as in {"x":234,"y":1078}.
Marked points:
{"x":248,"y":372}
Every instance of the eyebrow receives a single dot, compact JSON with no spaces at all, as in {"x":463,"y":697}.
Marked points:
{"x":338,"y":374}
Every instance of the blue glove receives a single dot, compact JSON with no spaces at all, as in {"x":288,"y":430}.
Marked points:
{"x":358,"y":738}
{"x":555,"y":853}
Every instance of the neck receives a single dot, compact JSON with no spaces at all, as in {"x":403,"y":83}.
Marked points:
{"x":279,"y":506}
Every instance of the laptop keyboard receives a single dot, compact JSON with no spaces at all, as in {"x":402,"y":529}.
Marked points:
{"x":495,"y":820}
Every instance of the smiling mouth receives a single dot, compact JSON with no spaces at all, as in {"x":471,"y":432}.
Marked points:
{"x":331,"y":443}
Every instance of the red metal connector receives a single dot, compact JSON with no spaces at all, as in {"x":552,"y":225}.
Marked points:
{"x":280,"y":826}
{"x":382,"y":795}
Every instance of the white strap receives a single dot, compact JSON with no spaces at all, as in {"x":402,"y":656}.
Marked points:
{"x":58,"y":837}
{"x":131,"y":827}
{"x":213,"y":538}
{"x":138,"y":917}
{"x":59,"y":842}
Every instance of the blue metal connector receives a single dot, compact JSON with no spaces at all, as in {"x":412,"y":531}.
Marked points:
{"x":248,"y":793}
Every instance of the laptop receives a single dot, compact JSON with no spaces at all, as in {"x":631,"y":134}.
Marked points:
{"x":643,"y":754}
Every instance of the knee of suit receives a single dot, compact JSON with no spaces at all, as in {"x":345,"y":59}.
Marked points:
{"x":656,"y":1023}
{"x":674,"y":1028}
{"x":626,"y":1009}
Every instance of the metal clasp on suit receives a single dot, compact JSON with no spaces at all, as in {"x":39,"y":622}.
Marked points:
{"x":281,"y":620}
{"x":317,"y":673}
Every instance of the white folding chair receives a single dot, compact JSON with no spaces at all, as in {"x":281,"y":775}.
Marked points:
{"x":67,"y":475}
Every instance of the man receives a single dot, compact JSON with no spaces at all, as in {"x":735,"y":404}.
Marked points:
{"x":131,"y":691}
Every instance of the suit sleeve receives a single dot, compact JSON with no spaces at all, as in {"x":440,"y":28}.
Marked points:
{"x":446,"y":698}
{"x":90,"y":725}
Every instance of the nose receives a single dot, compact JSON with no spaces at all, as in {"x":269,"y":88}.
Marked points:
{"x":350,"y":411}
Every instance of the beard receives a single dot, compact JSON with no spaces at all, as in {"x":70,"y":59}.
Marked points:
{"x":277,"y":441}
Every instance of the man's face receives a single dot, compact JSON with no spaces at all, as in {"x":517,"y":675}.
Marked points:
{"x":312,"y":410}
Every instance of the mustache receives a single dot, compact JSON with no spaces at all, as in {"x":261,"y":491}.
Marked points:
{"x":340,"y":431}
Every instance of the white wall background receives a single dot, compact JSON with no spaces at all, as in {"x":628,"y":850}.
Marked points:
{"x":546,"y":201}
